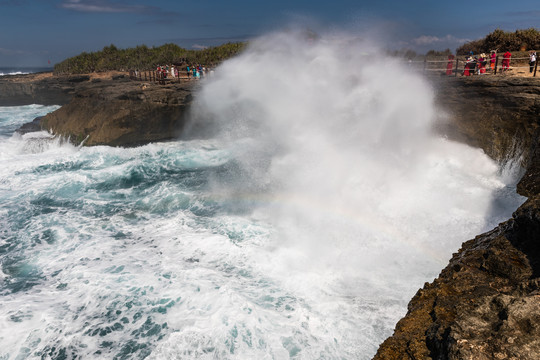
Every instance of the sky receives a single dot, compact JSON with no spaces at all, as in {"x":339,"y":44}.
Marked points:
{"x":32,"y":33}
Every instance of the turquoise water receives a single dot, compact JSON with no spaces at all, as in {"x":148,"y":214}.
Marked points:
{"x":271,"y":239}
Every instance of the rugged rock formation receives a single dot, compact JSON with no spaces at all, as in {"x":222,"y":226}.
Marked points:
{"x":40,"y":88}
{"x":486,"y":303}
{"x":499,"y":115}
{"x":122,"y":113}
{"x":109,"y":110}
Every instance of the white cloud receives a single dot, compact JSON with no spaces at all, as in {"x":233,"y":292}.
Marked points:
{"x":99,"y":6}
{"x":199,"y":47}
{"x":10,"y":52}
{"x":429,"y":40}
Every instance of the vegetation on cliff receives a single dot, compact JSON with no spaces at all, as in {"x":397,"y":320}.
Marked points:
{"x":144,"y":58}
{"x":523,"y":40}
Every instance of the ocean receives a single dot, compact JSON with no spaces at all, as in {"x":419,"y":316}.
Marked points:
{"x":307,"y":203}
{"x":14,"y":70}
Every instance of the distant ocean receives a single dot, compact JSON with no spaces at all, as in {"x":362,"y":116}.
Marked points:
{"x":13,"y":70}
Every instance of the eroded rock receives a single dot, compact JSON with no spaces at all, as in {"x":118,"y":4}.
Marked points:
{"x":486,"y":303}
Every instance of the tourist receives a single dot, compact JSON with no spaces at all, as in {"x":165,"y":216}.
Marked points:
{"x":482,"y":62}
{"x":188,"y":71}
{"x":506,"y":61}
{"x":493,"y":59}
{"x":532,"y":60}
{"x":466,"y":67}
{"x":450,"y":65}
{"x":470,"y":66}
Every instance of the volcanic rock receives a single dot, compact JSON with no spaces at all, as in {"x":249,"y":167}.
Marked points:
{"x":40,"y":88}
{"x":486,"y":303}
{"x":122,"y":112}
{"x":111,"y":110}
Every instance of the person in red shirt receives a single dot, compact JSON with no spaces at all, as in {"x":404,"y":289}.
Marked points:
{"x":450,"y":65}
{"x":493,"y":59}
{"x":506,"y":61}
{"x":482,"y":61}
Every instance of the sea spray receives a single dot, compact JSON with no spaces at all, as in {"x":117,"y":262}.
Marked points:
{"x":366,"y":201}
{"x":310,"y":202}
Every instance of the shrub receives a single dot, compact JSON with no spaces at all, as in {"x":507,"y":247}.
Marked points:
{"x":144,"y":58}
{"x":502,"y":41}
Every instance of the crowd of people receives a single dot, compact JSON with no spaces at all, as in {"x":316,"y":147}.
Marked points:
{"x":166,"y":71}
{"x":172,"y":71}
{"x":478,"y":65}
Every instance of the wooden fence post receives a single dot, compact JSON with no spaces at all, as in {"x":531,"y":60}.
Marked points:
{"x":425,"y":60}
{"x":496,"y":64}
{"x":457,"y":64}
{"x":535,"y":66}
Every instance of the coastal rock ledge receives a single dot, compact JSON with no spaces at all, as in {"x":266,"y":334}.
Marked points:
{"x":485,"y":304}
{"x":113,"y":110}
{"x":122,"y":113}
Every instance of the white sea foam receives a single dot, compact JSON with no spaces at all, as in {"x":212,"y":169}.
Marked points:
{"x":366,"y":201}
{"x":299,"y":230}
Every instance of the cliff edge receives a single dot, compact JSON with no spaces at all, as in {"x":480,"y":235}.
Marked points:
{"x":486,"y":303}
{"x":122,"y":113}
{"x":106,"y":110}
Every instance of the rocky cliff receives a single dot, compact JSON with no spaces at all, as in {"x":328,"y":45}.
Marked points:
{"x":40,"y":88}
{"x":486,"y":303}
{"x":122,"y":113}
{"x":104,"y":110}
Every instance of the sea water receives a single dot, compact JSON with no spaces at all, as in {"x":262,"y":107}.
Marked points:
{"x":15,"y":70}
{"x":307,"y":202}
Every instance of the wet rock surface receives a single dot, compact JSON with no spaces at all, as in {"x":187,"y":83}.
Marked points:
{"x":486,"y":303}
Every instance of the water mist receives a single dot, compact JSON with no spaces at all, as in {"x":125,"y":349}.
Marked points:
{"x":335,"y":147}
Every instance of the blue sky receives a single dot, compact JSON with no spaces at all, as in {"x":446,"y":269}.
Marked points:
{"x":33,"y":32}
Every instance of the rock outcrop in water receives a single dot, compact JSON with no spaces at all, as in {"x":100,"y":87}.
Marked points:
{"x":111,"y":111}
{"x":486,"y":303}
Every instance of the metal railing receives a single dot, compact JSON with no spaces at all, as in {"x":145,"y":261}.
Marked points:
{"x":160,"y":77}
{"x":453,"y":66}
